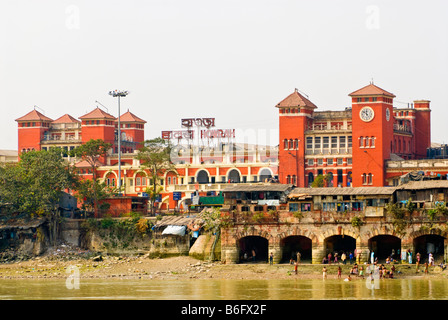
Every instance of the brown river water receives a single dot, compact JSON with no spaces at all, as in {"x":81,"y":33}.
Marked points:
{"x":294,"y":289}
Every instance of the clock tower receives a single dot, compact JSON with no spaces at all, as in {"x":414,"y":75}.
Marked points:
{"x":372,"y":134}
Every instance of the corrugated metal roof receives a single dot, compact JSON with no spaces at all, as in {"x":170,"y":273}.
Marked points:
{"x":300,"y":192}
{"x":259,"y":187}
{"x":21,"y":223}
{"x":426,"y":184}
{"x":176,"y":221}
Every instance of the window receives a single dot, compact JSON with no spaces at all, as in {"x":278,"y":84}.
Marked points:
{"x":361,"y":142}
{"x":320,"y":162}
{"x":305,"y":207}
{"x":294,"y":180}
{"x":309,"y":143}
{"x":288,"y":180}
{"x":296,"y":144}
{"x":369,"y":178}
{"x":317,"y":143}
{"x":325,"y":142}
{"x":341,"y":142}
{"x":349,"y":161}
{"x":349,"y":141}
{"x":340,"y":162}
{"x":364,"y":178}
{"x":285,"y":144}
{"x":334,"y":142}
{"x":311,"y":162}
{"x":374,"y":99}
{"x":293,"y":207}
{"x":291,"y":146}
{"x":329,"y":161}
{"x":366,"y":99}
{"x":372,"y":142}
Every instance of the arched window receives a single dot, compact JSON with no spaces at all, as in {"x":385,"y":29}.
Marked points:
{"x":361,"y":142}
{"x":288,"y":179}
{"x":364,"y":178}
{"x":372,"y":142}
{"x":294,"y":180}
{"x":291,"y":144}
{"x":296,"y":144}
{"x":285,"y":144}
{"x":110,"y":180}
{"x":369,"y":178}
{"x":140,"y":179}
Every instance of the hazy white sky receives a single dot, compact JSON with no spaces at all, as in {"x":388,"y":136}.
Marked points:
{"x":232,"y":60}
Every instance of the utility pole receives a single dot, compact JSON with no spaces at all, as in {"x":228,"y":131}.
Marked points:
{"x":119,"y":94}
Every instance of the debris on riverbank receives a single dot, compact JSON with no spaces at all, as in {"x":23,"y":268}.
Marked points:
{"x":58,"y":262}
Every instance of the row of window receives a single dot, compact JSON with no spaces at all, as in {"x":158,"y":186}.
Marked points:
{"x":326,"y":142}
{"x":367,"y":142}
{"x":369,"y":99}
{"x":291,"y":144}
{"x":374,"y":99}
{"x":328,"y":206}
{"x":320,"y":162}
{"x":291,"y":179}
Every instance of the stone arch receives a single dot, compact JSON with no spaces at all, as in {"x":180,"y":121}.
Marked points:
{"x":384,"y":246}
{"x":292,"y":244}
{"x":203,"y":176}
{"x":434,"y":241}
{"x":253,"y":248}
{"x":265,"y":173}
{"x":234,"y":175}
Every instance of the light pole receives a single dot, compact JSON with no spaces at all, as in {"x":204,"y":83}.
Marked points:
{"x":119,"y":94}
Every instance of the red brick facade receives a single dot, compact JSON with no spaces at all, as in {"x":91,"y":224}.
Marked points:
{"x":352,"y":145}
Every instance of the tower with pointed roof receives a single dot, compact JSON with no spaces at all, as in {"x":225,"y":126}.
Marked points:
{"x":134,"y":128}
{"x":295,"y":114}
{"x":373,"y":134}
{"x":32,"y":128}
{"x":98,"y":124}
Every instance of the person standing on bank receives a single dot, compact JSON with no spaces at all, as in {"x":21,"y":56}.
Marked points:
{"x":271,"y":259}
{"x":298,"y":256}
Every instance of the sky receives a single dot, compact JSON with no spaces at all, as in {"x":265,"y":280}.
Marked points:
{"x":231,"y":60}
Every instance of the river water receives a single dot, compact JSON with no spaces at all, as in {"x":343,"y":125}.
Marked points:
{"x":294,"y":289}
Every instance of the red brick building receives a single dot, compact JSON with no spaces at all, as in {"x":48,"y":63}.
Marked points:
{"x":352,"y":146}
{"x":38,"y":132}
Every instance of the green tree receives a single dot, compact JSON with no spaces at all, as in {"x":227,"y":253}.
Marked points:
{"x":92,"y":152}
{"x":35,"y":184}
{"x":155,"y":155}
{"x":321,"y":181}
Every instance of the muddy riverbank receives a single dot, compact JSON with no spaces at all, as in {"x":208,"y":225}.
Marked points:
{"x":59,"y":264}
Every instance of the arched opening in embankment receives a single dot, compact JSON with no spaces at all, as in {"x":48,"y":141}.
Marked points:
{"x":253,"y":249}
{"x":384,"y":246}
{"x":339,"y":244}
{"x":429,"y":243}
{"x":293,"y":244}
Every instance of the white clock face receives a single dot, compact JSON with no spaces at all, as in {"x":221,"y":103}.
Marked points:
{"x":387,"y":114}
{"x":366,"y":114}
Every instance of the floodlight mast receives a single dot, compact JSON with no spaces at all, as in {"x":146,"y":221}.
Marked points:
{"x":119,"y":94}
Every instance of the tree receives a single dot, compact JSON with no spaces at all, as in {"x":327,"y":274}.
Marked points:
{"x":91,"y":152}
{"x":155,"y":155}
{"x":35,"y":184}
{"x":321,"y":181}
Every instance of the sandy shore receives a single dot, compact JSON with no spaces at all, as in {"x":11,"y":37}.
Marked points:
{"x":182,"y":267}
